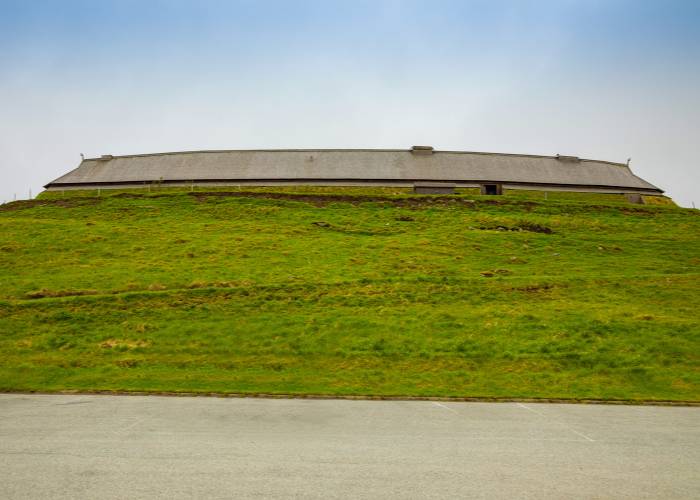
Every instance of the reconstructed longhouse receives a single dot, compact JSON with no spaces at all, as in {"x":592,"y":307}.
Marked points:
{"x":421,"y":167}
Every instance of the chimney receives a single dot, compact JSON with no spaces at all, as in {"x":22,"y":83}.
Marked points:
{"x":572,"y":159}
{"x":422,"y":150}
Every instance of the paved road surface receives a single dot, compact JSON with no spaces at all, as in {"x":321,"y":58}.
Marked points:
{"x":73,"y":447}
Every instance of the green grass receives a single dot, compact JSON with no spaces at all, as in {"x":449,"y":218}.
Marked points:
{"x":376,"y":292}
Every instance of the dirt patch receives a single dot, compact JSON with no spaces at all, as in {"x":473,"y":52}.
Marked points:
{"x":64,"y":203}
{"x":128,"y":363}
{"x":534,"y":228}
{"x":533,"y":288}
{"x":521,"y":226}
{"x":322,"y":200}
{"x":45,"y":293}
{"x":355,"y":231}
{"x":123,"y":344}
{"x":495,"y":272}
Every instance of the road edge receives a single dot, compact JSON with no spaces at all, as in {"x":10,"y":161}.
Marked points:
{"x":474,"y":399}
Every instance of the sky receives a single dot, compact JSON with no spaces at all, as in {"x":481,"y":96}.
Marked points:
{"x":607,"y":80}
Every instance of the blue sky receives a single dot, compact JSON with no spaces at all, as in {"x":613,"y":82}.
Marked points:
{"x":597,"y":79}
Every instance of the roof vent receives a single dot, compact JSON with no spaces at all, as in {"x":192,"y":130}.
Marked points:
{"x":422,"y":150}
{"x":573,"y":159}
{"x":106,"y":157}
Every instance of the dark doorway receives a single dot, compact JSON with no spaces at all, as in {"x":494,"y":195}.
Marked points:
{"x":491,"y":189}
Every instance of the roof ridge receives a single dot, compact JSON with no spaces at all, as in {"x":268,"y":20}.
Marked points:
{"x":344,"y":150}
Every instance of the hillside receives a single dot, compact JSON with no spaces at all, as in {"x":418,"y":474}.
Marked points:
{"x":352,"y":291}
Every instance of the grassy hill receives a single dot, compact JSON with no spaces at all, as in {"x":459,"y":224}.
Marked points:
{"x":350,"y":291}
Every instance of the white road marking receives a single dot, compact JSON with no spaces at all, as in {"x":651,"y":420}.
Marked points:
{"x":445,"y":407}
{"x":557,"y":422}
{"x":130,"y":426}
{"x":531,"y":409}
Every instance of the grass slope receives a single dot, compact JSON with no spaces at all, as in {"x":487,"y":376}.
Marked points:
{"x":351,"y":292}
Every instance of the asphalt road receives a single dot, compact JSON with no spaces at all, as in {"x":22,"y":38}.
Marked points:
{"x":73,"y":447}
